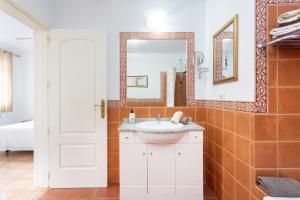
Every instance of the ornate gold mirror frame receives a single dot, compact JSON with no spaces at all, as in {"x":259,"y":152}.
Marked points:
{"x":217,"y":59}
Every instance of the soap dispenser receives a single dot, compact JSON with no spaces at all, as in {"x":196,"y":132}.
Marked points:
{"x":131,"y":117}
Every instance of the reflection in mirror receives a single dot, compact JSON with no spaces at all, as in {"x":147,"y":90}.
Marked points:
{"x":225,"y":53}
{"x":163,"y":62}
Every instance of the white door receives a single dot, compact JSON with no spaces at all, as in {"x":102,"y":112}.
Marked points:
{"x":189,"y":169}
{"x":133,"y":169}
{"x":78,"y":125}
{"x":161,"y":169}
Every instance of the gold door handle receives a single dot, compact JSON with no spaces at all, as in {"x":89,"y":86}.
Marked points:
{"x":102,"y":105}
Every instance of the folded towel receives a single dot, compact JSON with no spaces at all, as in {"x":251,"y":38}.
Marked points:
{"x":283,"y":40}
{"x":292,"y":43}
{"x":279,"y":187}
{"x":296,"y":32}
{"x":177,"y":117}
{"x":289,"y":23}
{"x":286,"y":29}
{"x":289,"y":16}
{"x":185,"y":120}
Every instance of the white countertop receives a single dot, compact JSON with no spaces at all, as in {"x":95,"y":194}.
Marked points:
{"x":131,"y":127}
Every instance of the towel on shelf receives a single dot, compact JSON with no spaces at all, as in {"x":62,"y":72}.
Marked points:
{"x":279,"y":187}
{"x":177,"y":117}
{"x":285,"y":30}
{"x":288,"y":17}
{"x":287,"y":35}
{"x":287,"y":41}
{"x":291,"y":44}
{"x":289,"y":23}
{"x":296,"y":32}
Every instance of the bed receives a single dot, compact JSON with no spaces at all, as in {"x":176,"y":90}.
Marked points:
{"x":17,"y":137}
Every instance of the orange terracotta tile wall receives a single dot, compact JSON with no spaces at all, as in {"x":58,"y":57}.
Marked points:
{"x":241,"y":146}
{"x":116,"y":116}
{"x":277,"y":133}
{"x":229,"y":154}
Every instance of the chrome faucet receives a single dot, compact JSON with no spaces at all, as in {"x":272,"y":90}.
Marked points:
{"x":158,"y":118}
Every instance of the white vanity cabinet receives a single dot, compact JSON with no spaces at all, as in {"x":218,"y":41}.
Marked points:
{"x":134,"y":161}
{"x":189,"y":169}
{"x":161,"y":171}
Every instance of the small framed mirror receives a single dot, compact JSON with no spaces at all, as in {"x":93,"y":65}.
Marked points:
{"x":137,"y":81}
{"x":226,"y":53}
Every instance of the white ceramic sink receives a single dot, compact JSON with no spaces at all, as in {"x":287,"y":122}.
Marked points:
{"x":158,"y":126}
{"x":163,"y":132}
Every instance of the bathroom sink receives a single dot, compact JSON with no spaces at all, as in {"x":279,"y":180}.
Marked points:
{"x":158,"y":126}
{"x":163,"y":132}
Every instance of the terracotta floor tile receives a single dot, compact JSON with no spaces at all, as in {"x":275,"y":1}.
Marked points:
{"x":82,"y":193}
{"x":16,"y":177}
{"x":16,"y":184}
{"x":111,"y":192}
{"x":208,"y":192}
{"x":56,"y":194}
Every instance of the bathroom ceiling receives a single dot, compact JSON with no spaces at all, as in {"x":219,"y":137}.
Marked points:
{"x":156,"y":46}
{"x":12,"y":29}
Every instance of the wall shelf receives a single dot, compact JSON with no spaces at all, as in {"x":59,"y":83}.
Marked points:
{"x":292,"y":41}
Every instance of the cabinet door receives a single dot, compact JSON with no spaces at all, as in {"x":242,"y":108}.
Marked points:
{"x":161,"y":169}
{"x":189,"y":168}
{"x":133,"y":169}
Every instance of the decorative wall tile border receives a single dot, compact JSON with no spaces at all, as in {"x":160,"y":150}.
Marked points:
{"x":260,"y":104}
{"x":188,"y":36}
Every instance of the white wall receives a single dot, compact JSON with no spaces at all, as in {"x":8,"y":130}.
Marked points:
{"x":41,"y":9}
{"x":128,"y":15}
{"x":150,"y":65}
{"x":26,"y":93}
{"x":219,"y":12}
{"x":204,"y":17}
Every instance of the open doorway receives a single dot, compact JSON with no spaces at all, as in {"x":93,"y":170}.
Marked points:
{"x":16,"y":109}
{"x":23,"y":122}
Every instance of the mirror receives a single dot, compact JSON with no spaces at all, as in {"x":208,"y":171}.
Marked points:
{"x":226,"y":52}
{"x":156,"y":72}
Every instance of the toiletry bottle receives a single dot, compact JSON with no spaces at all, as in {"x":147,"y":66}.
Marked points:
{"x":131,"y":117}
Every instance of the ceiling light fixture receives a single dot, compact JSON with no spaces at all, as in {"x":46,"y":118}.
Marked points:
{"x":156,"y":21}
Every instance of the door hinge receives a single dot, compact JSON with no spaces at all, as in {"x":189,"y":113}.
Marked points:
{"x":49,"y":175}
{"x":48,"y":39}
{"x":48,"y":131}
{"x":48,"y":84}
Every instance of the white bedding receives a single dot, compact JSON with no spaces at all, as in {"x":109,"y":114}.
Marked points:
{"x":17,"y":137}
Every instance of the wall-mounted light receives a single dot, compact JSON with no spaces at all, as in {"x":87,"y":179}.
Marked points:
{"x":157,"y":20}
{"x":198,"y":60}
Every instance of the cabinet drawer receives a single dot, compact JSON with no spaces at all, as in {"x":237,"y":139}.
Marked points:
{"x":127,"y":138}
{"x":195,"y":137}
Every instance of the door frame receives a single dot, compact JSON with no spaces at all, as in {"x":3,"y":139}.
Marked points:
{"x":41,"y":31}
